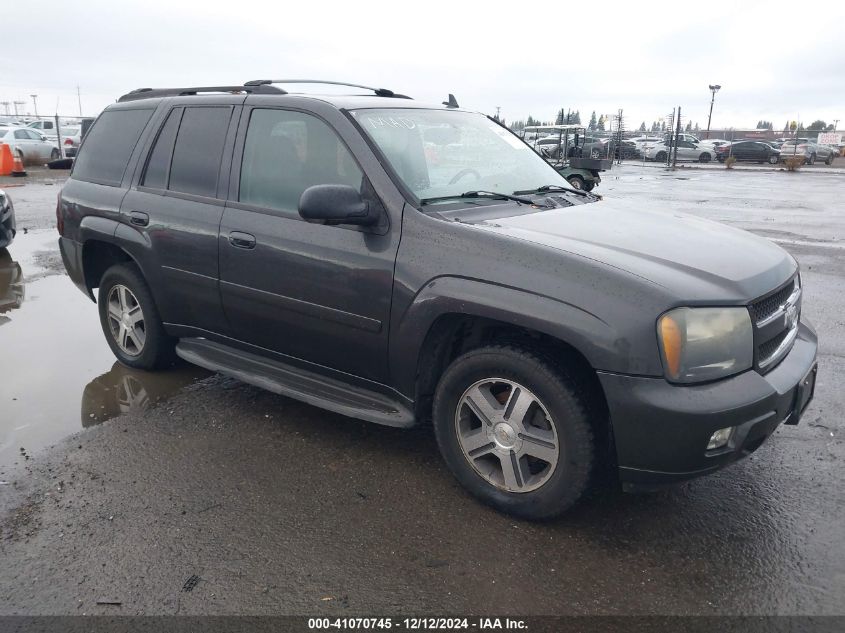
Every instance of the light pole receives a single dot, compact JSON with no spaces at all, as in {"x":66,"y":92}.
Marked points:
{"x":713,"y":90}
{"x":35,"y":104}
{"x":835,"y":124}
{"x":16,"y":104}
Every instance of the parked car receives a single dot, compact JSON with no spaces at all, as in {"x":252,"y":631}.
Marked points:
{"x":686,"y":151}
{"x":7,"y":219}
{"x":808,"y":150}
{"x":33,"y":148}
{"x":627,"y":149}
{"x":305,"y":244}
{"x":756,"y":151}
{"x":71,"y":138}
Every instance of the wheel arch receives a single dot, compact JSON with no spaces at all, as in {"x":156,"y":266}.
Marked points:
{"x":106,"y":242}
{"x":453,"y":315}
{"x":98,"y":256}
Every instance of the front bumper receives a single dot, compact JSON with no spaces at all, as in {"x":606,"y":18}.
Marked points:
{"x":661,"y":430}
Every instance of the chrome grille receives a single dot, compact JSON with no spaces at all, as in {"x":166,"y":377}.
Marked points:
{"x":764,"y":308}
{"x":775,"y":317}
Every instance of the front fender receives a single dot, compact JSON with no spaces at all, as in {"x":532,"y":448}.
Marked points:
{"x":586,"y":332}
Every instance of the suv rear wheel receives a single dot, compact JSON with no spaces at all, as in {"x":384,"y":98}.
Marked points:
{"x":515,"y":431}
{"x":130,"y":320}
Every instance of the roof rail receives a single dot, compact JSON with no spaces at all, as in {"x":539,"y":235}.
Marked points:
{"x":379,"y":92}
{"x":151,"y":93}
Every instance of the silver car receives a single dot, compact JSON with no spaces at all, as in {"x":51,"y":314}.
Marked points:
{"x":32,"y":147}
{"x":687,"y":150}
{"x":808,"y":150}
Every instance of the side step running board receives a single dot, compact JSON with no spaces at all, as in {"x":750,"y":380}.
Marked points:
{"x":296,"y":383}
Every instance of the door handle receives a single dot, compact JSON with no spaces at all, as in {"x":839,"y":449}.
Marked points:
{"x":138,"y":218}
{"x":241,"y":240}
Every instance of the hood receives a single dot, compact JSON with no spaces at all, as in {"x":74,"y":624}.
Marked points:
{"x":696,"y":259}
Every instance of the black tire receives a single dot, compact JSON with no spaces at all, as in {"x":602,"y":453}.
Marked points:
{"x":829,"y":159}
{"x":568,"y":405}
{"x":774,"y":159}
{"x":55,"y":154}
{"x":158,"y":349}
{"x":704,"y":158}
{"x":812,"y":159}
{"x":661,"y":157}
{"x":576,"y":182}
{"x":589,"y":186}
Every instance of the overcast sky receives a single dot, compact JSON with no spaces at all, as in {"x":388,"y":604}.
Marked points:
{"x":775,"y":60}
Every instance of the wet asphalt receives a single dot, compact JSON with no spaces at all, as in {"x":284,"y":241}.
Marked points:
{"x":185,"y":492}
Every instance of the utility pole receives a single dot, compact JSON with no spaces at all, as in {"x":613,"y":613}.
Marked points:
{"x":35,"y":104}
{"x":16,"y":104}
{"x":835,"y":124}
{"x":79,"y":101}
{"x":5,"y":104}
{"x":713,"y":90}
{"x":677,"y":136}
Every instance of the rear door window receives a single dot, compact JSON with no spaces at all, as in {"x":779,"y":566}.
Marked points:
{"x":108,"y":146}
{"x":195,"y":165}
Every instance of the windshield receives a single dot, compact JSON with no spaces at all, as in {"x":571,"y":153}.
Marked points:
{"x":441,"y":153}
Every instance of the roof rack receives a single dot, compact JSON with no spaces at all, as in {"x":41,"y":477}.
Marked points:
{"x":379,"y":92}
{"x":151,"y":93}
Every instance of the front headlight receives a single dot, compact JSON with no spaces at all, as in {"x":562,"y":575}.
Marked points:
{"x":700,"y":344}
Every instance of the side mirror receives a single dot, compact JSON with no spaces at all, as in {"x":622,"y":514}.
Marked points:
{"x":43,"y":138}
{"x":336,"y":204}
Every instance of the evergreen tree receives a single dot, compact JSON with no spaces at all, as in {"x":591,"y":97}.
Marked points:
{"x":576,"y":118}
{"x":592,"y":124}
{"x":600,"y":124}
{"x":688,"y":128}
{"x":642,"y":126}
{"x":663,"y":126}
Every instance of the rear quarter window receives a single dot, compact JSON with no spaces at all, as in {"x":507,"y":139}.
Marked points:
{"x":108,"y":146}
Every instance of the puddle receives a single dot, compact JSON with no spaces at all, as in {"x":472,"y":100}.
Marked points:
{"x":57,"y":374}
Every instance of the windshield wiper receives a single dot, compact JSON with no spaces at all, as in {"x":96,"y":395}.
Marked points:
{"x":546,"y":188}
{"x":491,"y":195}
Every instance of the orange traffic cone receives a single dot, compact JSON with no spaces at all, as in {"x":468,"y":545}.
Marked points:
{"x":17,"y":169}
{"x":7,"y":161}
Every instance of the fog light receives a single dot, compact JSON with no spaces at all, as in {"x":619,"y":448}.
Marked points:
{"x":720,"y":438}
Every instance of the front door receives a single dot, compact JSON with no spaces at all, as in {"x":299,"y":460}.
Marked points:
{"x":309,"y":291}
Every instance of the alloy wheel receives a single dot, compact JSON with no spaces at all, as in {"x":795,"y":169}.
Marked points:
{"x":507,"y":435}
{"x":126,"y":320}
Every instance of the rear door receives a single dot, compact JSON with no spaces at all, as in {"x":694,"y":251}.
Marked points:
{"x":309,"y":291}
{"x":172,"y":215}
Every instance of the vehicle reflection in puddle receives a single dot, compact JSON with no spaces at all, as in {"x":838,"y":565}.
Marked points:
{"x":53,"y":354}
{"x":125,"y":390}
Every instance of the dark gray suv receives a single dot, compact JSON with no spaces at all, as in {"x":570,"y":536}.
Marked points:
{"x":404,"y":263}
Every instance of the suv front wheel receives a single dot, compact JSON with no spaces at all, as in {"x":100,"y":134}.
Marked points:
{"x":515,"y":431}
{"x":130,"y":320}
